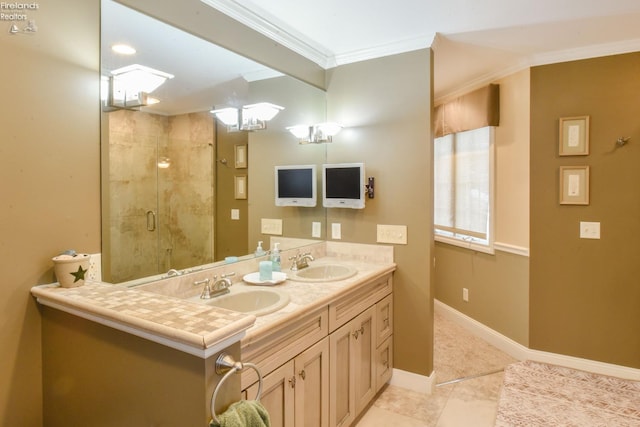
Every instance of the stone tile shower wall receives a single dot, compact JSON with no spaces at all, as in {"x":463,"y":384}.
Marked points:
{"x":181,"y":196}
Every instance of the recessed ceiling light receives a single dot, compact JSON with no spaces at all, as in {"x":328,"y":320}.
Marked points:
{"x":123,"y":49}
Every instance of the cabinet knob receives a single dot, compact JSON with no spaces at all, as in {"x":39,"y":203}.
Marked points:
{"x":358,"y":332}
{"x":292,"y":382}
{"x":302,"y":374}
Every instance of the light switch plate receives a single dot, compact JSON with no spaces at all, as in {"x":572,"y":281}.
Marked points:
{"x":396,"y":234}
{"x":271,"y":226}
{"x":589,"y":230}
{"x":336,"y":231}
{"x":316,"y":229}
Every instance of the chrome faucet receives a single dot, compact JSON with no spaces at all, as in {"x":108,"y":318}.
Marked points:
{"x":300,"y":261}
{"x":206,"y":291}
{"x":220,"y":286}
{"x":174,"y":272}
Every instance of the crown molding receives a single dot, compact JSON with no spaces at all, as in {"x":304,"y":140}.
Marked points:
{"x":592,"y":51}
{"x":547,"y":58}
{"x":268,"y":26}
{"x":420,"y":42}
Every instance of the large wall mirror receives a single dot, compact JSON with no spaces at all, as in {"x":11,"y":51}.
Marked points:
{"x":171,"y":172}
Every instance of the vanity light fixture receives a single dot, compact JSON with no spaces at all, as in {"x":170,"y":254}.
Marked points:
{"x":315,"y":134}
{"x":249,"y":117}
{"x":140,"y":78}
{"x":164,"y":162}
{"x":129,"y":87}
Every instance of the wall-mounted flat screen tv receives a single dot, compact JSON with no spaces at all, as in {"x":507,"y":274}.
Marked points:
{"x":343,"y":185}
{"x":296,"y":185}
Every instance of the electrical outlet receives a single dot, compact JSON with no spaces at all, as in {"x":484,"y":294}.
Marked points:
{"x":465,"y":294}
{"x":396,"y":234}
{"x":271,"y":226}
{"x":235,"y":214}
{"x":95,"y":267}
{"x":316,"y":229}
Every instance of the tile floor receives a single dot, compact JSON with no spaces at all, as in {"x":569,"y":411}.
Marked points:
{"x":469,"y":402}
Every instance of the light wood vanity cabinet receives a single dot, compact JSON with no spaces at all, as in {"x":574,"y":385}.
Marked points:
{"x":352,"y":372}
{"x":324,"y":368}
{"x":384,"y":341}
{"x":297,"y":393}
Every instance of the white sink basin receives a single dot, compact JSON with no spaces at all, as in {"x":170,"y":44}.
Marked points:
{"x":254,"y":301}
{"x":324,"y":273}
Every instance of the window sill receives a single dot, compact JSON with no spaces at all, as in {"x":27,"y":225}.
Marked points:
{"x":477,"y":247}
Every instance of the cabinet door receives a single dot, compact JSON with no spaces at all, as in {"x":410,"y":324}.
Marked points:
{"x":277,"y":395}
{"x":341,"y":377}
{"x":384,"y":319}
{"x":364,"y":358}
{"x":312,"y":386}
{"x":384,"y":363}
{"x":352,"y":368}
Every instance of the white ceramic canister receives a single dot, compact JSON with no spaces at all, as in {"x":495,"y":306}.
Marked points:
{"x":71,"y":270}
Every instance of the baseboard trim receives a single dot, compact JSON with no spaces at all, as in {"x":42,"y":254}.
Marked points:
{"x":521,"y":352}
{"x":411,"y":381}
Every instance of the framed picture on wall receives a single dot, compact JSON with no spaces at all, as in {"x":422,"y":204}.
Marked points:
{"x":574,"y":185}
{"x":240,"y":187}
{"x":241,"y":156}
{"x":574,"y":136}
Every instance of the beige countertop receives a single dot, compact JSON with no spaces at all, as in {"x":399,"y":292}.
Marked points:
{"x":191,"y":327}
{"x":307,"y":296}
{"x":163,"y":313}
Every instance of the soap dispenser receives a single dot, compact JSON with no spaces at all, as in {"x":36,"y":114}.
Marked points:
{"x":259,"y":251}
{"x":275,"y":257}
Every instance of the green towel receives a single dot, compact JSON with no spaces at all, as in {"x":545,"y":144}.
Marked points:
{"x":245,"y":413}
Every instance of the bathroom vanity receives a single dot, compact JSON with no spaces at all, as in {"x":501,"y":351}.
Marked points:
{"x":146,"y":355}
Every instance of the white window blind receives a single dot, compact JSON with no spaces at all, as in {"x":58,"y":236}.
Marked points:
{"x":463,"y":176}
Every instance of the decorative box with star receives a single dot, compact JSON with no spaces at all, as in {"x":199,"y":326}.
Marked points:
{"x":71,"y":269}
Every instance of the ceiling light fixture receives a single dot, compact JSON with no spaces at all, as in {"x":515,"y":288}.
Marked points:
{"x":123,"y":49}
{"x":315,"y":134}
{"x":249,"y":117}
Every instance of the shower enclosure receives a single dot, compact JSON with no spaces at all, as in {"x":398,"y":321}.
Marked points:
{"x":160,"y":182}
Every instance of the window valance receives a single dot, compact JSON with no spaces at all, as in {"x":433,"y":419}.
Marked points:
{"x":474,"y":110}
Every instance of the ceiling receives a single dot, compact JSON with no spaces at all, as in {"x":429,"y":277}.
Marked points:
{"x":474,"y":41}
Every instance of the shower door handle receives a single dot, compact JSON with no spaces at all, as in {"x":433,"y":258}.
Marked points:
{"x":151,"y":221}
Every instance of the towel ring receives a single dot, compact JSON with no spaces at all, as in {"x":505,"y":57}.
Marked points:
{"x":226,"y":365}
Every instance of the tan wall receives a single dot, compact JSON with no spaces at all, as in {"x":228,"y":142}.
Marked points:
{"x":512,"y":162}
{"x":111,"y":378}
{"x":498,"y":288}
{"x":49,"y":181}
{"x":585,"y":298}
{"x":277,"y":146}
{"x":231,"y":234}
{"x":385,"y":105}
{"x":498,"y":284}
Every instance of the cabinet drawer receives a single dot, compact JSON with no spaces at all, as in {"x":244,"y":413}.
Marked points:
{"x":270,"y":350}
{"x":384,"y":363}
{"x":384,"y":319}
{"x":358,"y":300}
